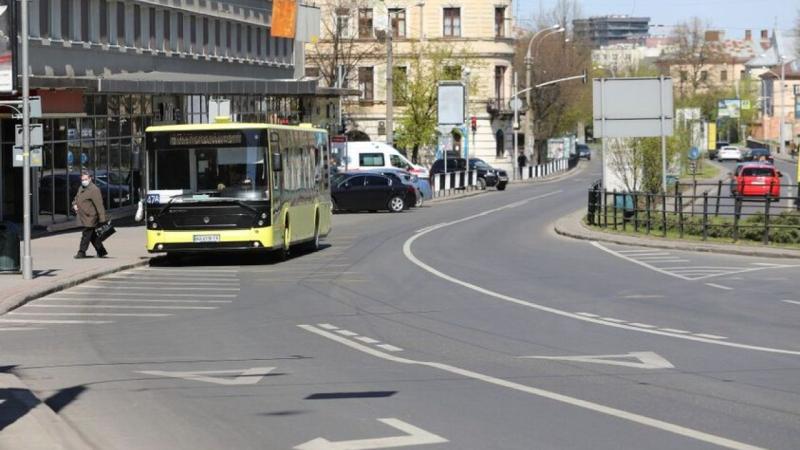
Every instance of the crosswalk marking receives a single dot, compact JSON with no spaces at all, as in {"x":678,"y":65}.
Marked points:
{"x":44,"y":322}
{"x":170,"y":280}
{"x":92,"y":286}
{"x":137,"y":300}
{"x":390,"y":347}
{"x":60,"y":314}
{"x":36,"y":305}
{"x":73,"y":291}
{"x":155,"y":284}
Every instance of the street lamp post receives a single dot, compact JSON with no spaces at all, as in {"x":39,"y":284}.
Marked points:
{"x":27,"y":259}
{"x":529,"y":125}
{"x":781,"y":145}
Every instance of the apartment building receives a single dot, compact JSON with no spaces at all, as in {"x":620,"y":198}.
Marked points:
{"x":484,"y":30}
{"x":107,"y":69}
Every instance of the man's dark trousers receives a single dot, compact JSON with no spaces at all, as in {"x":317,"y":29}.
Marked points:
{"x":88,"y":236}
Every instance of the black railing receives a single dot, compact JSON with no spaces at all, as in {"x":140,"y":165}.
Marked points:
{"x":703,"y":210}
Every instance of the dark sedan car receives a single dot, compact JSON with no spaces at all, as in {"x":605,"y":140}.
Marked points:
{"x":370,"y":192}
{"x":488,"y":175}
{"x":759,"y":154}
{"x":584,"y":151}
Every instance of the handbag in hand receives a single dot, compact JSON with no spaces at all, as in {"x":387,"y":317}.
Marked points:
{"x":104,"y":231}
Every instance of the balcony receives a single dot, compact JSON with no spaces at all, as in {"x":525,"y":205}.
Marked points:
{"x":499,"y":107}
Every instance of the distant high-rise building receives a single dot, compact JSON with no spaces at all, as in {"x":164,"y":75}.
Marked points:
{"x":605,"y":30}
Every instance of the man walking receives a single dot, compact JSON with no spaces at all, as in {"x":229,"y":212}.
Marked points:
{"x":522,"y":161}
{"x":88,"y":204}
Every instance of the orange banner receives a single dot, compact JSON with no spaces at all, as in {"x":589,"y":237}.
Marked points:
{"x":284,"y":18}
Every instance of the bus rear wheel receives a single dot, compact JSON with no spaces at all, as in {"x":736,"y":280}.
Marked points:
{"x":313,"y":244}
{"x":284,"y":251}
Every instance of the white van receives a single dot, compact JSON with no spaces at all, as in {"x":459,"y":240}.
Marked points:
{"x":375,"y":155}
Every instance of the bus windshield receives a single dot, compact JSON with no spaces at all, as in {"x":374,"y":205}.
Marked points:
{"x":235,"y":172}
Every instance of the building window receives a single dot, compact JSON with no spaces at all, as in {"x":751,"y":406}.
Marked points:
{"x":684,"y":75}
{"x":121,"y":24}
{"x":66,"y":5}
{"x":398,"y":18}
{"x":103,"y":21}
{"x":500,"y":21}
{"x":44,"y":19}
{"x":365,"y":22}
{"x":400,"y":76}
{"x":85,"y":21}
{"x":137,"y":26}
{"x":179,"y":24}
{"x":228,"y":38}
{"x":193,"y":34}
{"x":205,"y":35}
{"x":723,"y":75}
{"x":366,"y":84}
{"x":343,"y":25}
{"x":704,"y":75}
{"x":238,"y":38}
{"x":249,"y":41}
{"x":452,"y":22}
{"x":167,"y":30}
{"x":500,"y":144}
{"x":499,"y":83}
{"x":151,"y":18}
{"x":259,"y":44}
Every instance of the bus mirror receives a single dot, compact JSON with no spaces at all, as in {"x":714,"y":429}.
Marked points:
{"x":277,"y":164}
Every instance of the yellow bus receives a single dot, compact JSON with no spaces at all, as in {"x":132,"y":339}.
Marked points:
{"x":236,"y":186}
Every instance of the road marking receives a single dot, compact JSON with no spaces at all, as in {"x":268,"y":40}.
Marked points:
{"x":596,"y":407}
{"x":346,"y":333}
{"x":646,"y":360}
{"x":413,"y":436}
{"x":719,"y":286}
{"x":73,"y":291}
{"x":42,"y":321}
{"x":196,"y":271}
{"x":635,"y":251}
{"x":642,"y":325}
{"x":674,"y":330}
{"x":641,"y":263}
{"x":611,"y":319}
{"x":242,"y":376}
{"x":20,"y":329}
{"x":390,"y":347}
{"x":145,"y":277}
{"x":367,"y":340}
{"x":644,"y":296}
{"x":137,"y":300}
{"x":513,"y":300}
{"x":768,"y":264}
{"x":92,"y":286}
{"x":162,"y":283}
{"x":327,"y":326}
{"x":60,"y":314}
{"x":794,"y":302}
{"x":93,"y":306}
{"x":710,"y":336}
{"x":585,"y":314}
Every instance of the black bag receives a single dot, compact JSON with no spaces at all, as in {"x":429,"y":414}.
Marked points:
{"x":104,"y":231}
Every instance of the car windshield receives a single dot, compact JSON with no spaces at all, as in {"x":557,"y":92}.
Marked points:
{"x":759,"y":152}
{"x":479,"y":164}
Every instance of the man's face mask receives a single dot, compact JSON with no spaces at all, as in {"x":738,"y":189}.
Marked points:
{"x":84,"y":182}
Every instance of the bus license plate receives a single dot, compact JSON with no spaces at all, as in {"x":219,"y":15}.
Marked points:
{"x":198,"y":238}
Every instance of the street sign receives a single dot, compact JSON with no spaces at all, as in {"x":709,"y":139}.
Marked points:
{"x":451,"y":102}
{"x":36,"y":157}
{"x":515,"y":103}
{"x":36,"y":136}
{"x":632,"y":107}
{"x":694,"y":153}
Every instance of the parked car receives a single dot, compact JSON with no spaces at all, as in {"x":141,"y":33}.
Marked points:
{"x":404,"y":177}
{"x":584,"y":151}
{"x":757,"y":180}
{"x":755,"y":154}
{"x":370,"y":192}
{"x":729,"y":152}
{"x":374,"y":155}
{"x":488,"y":175}
{"x":453,"y":165}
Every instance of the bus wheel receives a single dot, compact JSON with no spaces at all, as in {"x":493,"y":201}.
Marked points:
{"x":284,"y":251}
{"x":396,"y":204}
{"x":313,"y":244}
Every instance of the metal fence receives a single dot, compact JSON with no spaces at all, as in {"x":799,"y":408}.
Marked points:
{"x":444,"y":184}
{"x":703,"y":210}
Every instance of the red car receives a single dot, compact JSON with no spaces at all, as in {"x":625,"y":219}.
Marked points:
{"x":758,"y":180}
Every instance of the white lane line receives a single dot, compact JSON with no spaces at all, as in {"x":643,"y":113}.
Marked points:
{"x":390,"y":347}
{"x":42,"y":322}
{"x":719,"y":286}
{"x":611,"y":319}
{"x":635,"y":251}
{"x":767,"y":264}
{"x":710,"y":336}
{"x":674,"y":330}
{"x":674,"y":261}
{"x":82,"y":314}
{"x":346,"y":333}
{"x":643,"y":296}
{"x":94,"y":287}
{"x":136,"y":300}
{"x":180,"y":282}
{"x":86,"y":306}
{"x":20,"y":329}
{"x":642,"y":325}
{"x":794,"y":302}
{"x":652,"y":256}
{"x":189,"y":271}
{"x":641,"y":263}
{"x":573,"y":401}
{"x":162,"y":283}
{"x":327,"y":326}
{"x":151,"y":276}
{"x":513,"y":300}
{"x":585,"y":314}
{"x":72,"y":291}
{"x":367,"y":340}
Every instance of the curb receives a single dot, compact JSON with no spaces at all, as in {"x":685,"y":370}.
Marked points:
{"x":17,"y":300}
{"x":572,"y":226}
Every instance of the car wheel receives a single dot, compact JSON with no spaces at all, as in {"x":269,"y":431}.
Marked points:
{"x":501,"y":187}
{"x":419,"y":202}
{"x":481,"y":183}
{"x":397,"y":204}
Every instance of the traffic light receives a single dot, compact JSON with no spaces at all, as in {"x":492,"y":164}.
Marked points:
{"x":474,"y":123}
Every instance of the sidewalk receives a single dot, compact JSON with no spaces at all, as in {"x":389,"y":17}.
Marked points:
{"x":572,"y":226}
{"x":55,"y":269}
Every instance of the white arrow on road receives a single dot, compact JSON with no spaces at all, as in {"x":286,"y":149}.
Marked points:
{"x":242,"y":376}
{"x":643,"y":360}
{"x":414,"y":436}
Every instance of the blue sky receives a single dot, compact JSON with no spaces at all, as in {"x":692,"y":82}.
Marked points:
{"x":732,"y":15}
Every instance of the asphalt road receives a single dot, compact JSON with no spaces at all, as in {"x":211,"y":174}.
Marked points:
{"x":464,"y":325}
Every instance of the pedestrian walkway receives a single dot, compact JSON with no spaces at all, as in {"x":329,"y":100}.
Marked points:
{"x":54,"y":267}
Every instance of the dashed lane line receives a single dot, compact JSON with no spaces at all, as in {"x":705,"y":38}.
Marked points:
{"x":794,"y":302}
{"x":719,"y":286}
{"x":710,"y":336}
{"x":409,"y":254}
{"x":573,"y":401}
{"x":346,"y":333}
{"x":611,"y":319}
{"x":642,"y":325}
{"x":674,"y":330}
{"x":367,"y":340}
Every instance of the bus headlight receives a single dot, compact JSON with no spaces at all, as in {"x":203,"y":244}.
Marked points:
{"x":153,"y":225}
{"x":263,"y":215}
{"x":151,"y":218}
{"x":261,"y":223}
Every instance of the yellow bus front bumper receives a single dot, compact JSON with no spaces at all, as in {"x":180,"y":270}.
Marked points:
{"x":244,"y":239}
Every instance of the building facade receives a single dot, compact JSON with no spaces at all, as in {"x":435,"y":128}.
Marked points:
{"x":107,"y":69}
{"x":607,"y":30}
{"x":481,"y":30}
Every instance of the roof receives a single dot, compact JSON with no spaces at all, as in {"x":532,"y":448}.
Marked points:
{"x":179,"y":83}
{"x":786,"y":43}
{"x":227,"y":126}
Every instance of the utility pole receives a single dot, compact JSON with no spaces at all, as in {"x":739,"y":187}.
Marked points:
{"x":27,"y":259}
{"x":514,"y":127}
{"x":389,"y":84}
{"x":782,"y":146}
